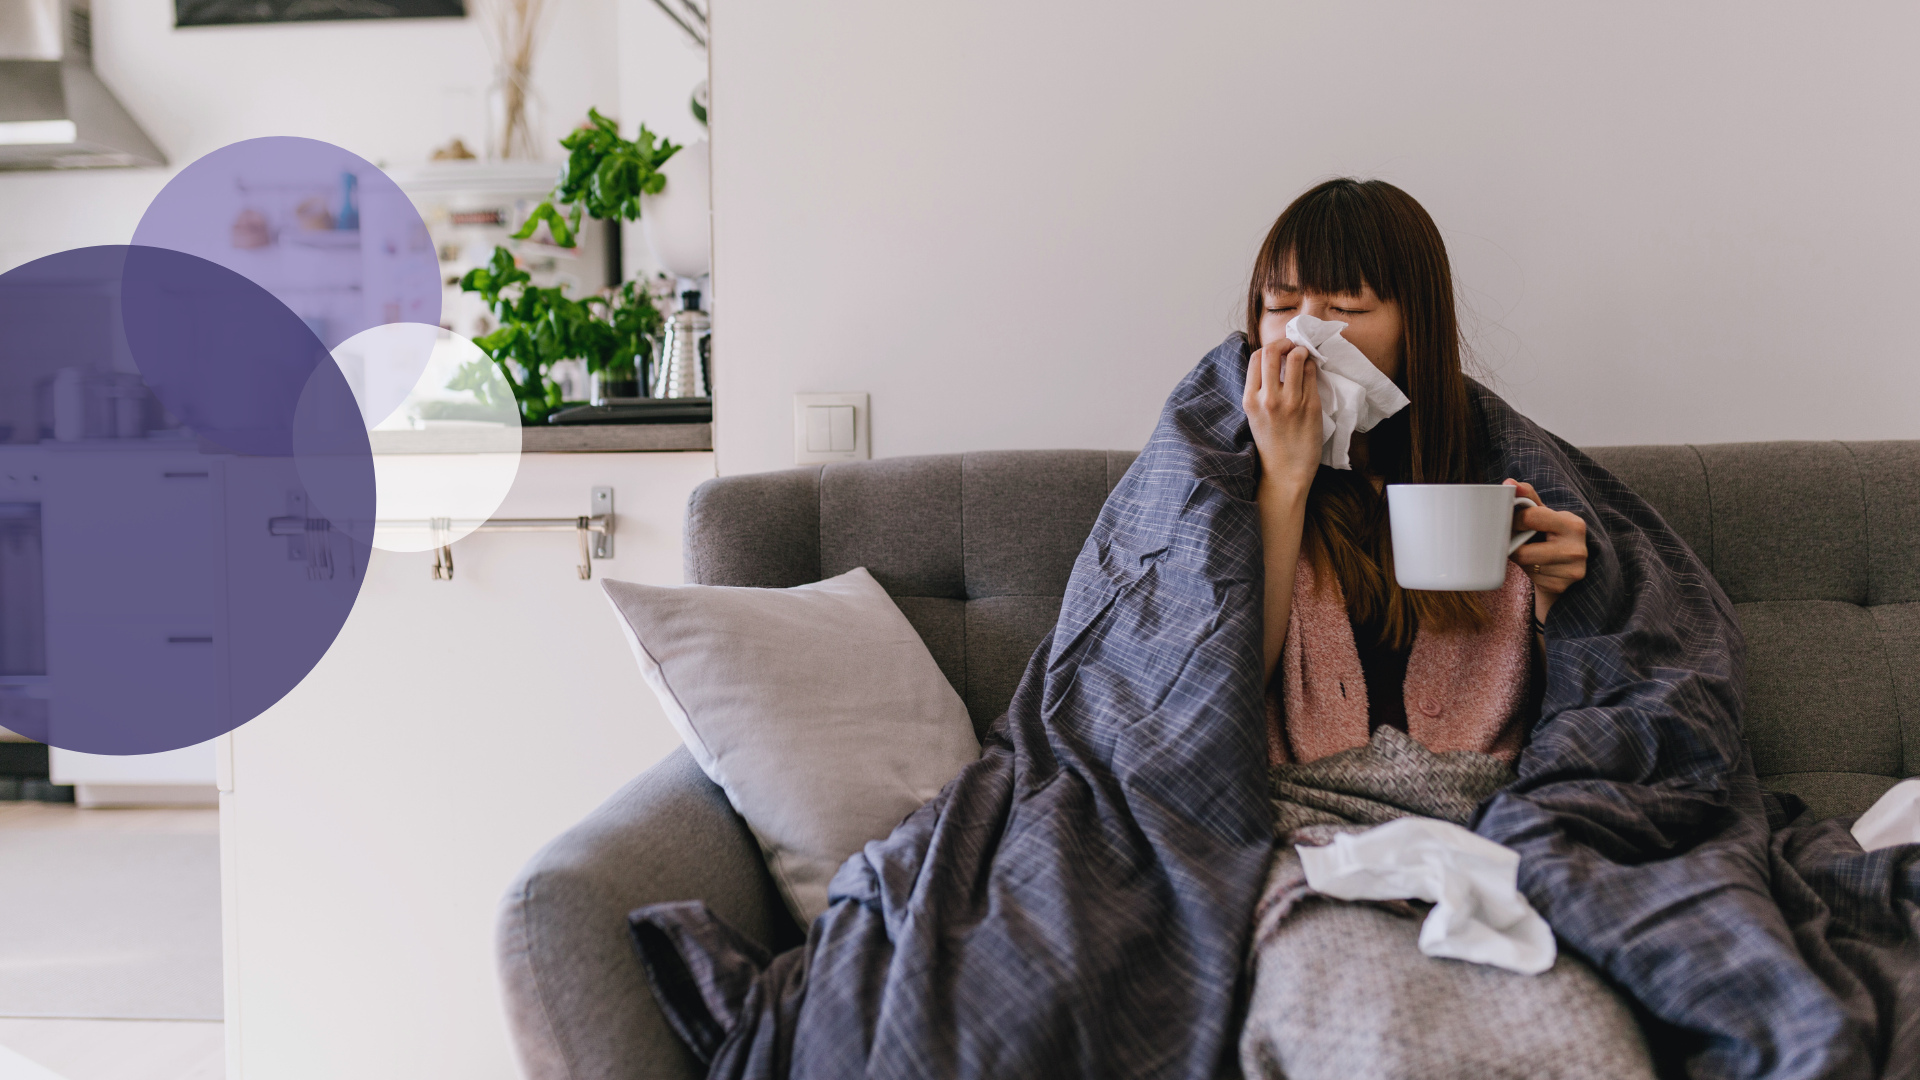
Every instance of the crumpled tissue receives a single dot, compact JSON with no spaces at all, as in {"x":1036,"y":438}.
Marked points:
{"x":1354,"y":395}
{"x":1894,"y":819}
{"x":1478,"y":914}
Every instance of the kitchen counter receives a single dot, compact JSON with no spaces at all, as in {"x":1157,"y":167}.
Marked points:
{"x":559,"y":439}
{"x":562,"y":439}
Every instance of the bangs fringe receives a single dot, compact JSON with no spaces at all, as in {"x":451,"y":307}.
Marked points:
{"x":1335,"y":243}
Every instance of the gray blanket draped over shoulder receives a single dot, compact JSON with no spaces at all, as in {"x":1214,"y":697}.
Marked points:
{"x":1077,"y":903}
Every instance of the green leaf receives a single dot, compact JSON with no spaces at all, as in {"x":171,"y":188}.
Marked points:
{"x":556,"y":225}
{"x":498,"y":340}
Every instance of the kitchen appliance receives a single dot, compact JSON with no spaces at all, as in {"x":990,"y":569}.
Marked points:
{"x":55,"y":113}
{"x":682,"y":372}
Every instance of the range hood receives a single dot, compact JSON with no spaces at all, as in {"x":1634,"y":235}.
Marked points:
{"x":55,"y":113}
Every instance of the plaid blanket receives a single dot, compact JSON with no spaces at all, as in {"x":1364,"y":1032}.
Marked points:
{"x":1645,"y":840}
{"x":1078,"y":902}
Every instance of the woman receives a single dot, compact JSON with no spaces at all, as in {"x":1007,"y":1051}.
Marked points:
{"x":1364,"y":253}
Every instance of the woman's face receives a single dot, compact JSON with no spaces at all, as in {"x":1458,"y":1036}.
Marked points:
{"x":1373,"y":324}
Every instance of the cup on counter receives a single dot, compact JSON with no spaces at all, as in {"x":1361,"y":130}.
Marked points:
{"x":70,"y":405}
{"x":129,"y":396}
{"x":1453,"y":537}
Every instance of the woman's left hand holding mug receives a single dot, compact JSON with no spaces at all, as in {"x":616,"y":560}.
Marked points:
{"x":1555,"y":559}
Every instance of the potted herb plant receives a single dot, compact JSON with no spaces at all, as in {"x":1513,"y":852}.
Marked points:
{"x":603,"y":178}
{"x":540,"y":327}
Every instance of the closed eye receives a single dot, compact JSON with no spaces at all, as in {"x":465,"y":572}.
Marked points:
{"x":1351,"y":311}
{"x":1280,"y":309}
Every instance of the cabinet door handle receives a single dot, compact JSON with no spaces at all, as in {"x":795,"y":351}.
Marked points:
{"x":190,"y":639}
{"x":183,"y":476}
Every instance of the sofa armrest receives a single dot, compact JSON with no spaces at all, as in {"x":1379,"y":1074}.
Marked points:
{"x":577,"y":1002}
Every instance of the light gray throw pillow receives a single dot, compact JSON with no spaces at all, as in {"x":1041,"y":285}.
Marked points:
{"x":817,"y":709}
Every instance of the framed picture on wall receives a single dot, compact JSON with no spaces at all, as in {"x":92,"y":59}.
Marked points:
{"x":229,"y":12}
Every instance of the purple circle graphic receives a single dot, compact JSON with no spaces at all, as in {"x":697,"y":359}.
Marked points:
{"x":323,"y":230}
{"x":162,"y":578}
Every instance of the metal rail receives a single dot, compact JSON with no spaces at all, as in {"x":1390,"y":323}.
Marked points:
{"x":587,"y":526}
{"x":299,"y":526}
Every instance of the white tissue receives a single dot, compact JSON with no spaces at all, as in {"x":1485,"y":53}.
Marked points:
{"x":1478,"y":914}
{"x":1895,"y":819}
{"x":1354,"y":395}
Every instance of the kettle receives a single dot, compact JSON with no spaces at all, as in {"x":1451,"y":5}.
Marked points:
{"x":682,"y":372}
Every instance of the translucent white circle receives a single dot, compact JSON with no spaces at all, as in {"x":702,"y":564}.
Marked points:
{"x":445,"y":458}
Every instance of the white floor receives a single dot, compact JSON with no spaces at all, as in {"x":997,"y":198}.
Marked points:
{"x":107,"y":1048}
{"x":112,"y":1050}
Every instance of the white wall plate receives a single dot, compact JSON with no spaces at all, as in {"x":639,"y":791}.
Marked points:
{"x":830,"y":427}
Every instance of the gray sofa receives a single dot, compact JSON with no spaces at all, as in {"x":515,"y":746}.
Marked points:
{"x":1818,"y":545}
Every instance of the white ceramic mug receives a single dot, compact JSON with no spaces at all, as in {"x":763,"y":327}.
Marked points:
{"x":1453,"y":537}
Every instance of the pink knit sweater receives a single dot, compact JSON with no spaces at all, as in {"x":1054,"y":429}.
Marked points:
{"x":1464,"y":691}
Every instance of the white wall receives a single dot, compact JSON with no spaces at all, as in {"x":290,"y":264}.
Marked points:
{"x":1018,"y":224}
{"x":390,"y":91}
{"x":659,"y":66}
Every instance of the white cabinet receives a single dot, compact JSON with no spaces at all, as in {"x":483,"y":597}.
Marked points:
{"x":171,"y":611}
{"x":183,"y":777}
{"x":136,"y":596}
{"x":372,"y":819}
{"x":287,"y":598}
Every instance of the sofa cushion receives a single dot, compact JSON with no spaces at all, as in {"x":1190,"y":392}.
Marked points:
{"x":942,"y":626}
{"x":1818,"y":695}
{"x":817,"y":710}
{"x":899,"y":518}
{"x":760,"y":530}
{"x":1890,"y":483}
{"x":1899,"y":626}
{"x":1789,"y":521}
{"x":1022,"y":536}
{"x":1002,"y":632}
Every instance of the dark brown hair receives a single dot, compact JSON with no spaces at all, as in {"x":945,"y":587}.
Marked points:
{"x":1339,"y":237}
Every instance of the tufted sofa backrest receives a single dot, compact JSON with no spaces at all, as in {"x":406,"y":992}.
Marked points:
{"x":975,"y":548}
{"x":1818,"y":545}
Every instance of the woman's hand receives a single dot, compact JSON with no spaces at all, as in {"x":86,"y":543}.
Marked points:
{"x":1283,"y":408}
{"x":1557,"y":557}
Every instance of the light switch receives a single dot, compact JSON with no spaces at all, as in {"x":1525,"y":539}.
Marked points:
{"x":840,"y":428}
{"x":820,"y":428}
{"x":829,"y":427}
